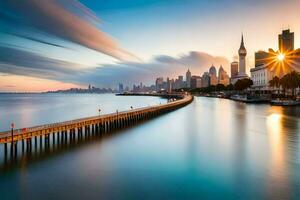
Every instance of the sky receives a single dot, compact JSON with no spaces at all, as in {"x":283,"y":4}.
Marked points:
{"x":58,"y":44}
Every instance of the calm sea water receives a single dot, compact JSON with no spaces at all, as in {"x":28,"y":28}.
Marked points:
{"x":210,"y":149}
{"x":26,"y":110}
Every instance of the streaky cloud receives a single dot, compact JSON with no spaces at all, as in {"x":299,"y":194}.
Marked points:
{"x":68,"y":20}
{"x":35,"y":39}
{"x":20,"y":62}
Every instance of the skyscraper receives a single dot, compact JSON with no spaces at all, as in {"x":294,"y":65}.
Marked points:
{"x":205,"y":81}
{"x":159,"y":83}
{"x":223,"y":77}
{"x":195,"y":82}
{"x":286,"y":41}
{"x":242,"y":58}
{"x":213,"y":75}
{"x":234,"y":69}
{"x":188,"y":78}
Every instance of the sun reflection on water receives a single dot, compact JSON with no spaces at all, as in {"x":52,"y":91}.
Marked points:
{"x":278,"y":167}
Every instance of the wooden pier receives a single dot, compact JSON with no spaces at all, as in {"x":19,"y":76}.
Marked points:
{"x":79,"y":129}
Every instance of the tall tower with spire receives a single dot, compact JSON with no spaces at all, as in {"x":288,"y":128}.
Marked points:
{"x":242,"y":58}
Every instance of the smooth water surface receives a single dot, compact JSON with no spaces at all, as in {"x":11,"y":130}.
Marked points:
{"x":210,"y":149}
{"x":26,"y":110}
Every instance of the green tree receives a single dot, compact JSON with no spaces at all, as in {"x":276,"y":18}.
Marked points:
{"x":290,"y":81}
{"x":243,"y":84}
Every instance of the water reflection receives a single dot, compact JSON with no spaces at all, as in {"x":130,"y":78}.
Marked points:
{"x":210,"y":149}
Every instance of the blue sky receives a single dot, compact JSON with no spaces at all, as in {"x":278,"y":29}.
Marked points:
{"x":107,"y":42}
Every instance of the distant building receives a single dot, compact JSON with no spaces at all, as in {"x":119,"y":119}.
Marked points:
{"x":180,"y":82}
{"x":213,"y":75}
{"x":127,"y":89}
{"x":205,"y":81}
{"x":242,"y":63}
{"x":188,"y":76}
{"x":234,"y":69}
{"x":195,"y":82}
{"x":286,"y":41}
{"x":159,"y":84}
{"x":242,"y":59}
{"x":121,"y":88}
{"x":223,"y":77}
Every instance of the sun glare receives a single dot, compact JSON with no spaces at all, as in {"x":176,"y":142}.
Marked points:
{"x":280,"y":57}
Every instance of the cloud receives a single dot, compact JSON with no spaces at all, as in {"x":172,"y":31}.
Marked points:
{"x":19,"y":62}
{"x":162,"y":65}
{"x":65,"y":19}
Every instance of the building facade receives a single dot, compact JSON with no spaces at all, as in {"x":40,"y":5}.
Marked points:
{"x":286,"y":41}
{"x":234,"y":67}
{"x":188,"y":76}
{"x":213,"y":75}
{"x":195,"y":82}
{"x":223,"y":77}
{"x":205,"y":82}
{"x":261,"y":75}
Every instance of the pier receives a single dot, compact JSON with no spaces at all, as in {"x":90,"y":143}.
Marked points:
{"x":69,"y":132}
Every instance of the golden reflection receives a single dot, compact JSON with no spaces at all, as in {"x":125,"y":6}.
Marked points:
{"x":278,"y":168}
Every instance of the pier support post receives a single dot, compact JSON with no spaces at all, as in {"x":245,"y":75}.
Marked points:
{"x":23,"y":146}
{"x":41,"y":142}
{"x":16,"y":150}
{"x":5,"y":152}
{"x":53,"y":139}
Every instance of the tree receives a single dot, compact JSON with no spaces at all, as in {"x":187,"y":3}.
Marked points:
{"x":243,"y":84}
{"x":275,"y":82}
{"x":220,"y":87}
{"x":230,"y":87}
{"x":290,"y":81}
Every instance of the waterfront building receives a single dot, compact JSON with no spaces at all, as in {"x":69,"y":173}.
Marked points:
{"x":205,"y":81}
{"x":195,"y":82}
{"x":269,"y":64}
{"x":213,"y":75}
{"x":261,"y":75}
{"x":223,"y":77}
{"x":188,"y":76}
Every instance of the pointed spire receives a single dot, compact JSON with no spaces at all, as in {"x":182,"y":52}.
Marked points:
{"x":242,"y":42}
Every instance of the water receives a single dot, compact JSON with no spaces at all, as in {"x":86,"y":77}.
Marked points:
{"x":210,"y":149}
{"x":27,"y":110}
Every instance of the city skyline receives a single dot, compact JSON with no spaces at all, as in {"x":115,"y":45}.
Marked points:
{"x":128,"y":51}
